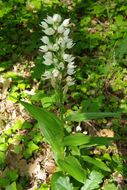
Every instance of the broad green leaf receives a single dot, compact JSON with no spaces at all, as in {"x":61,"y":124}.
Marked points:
{"x":111,"y":186}
{"x":11,"y":187}
{"x":80,"y":139}
{"x":50,"y":126}
{"x":73,"y":167}
{"x":61,"y":182}
{"x":95,"y":178}
{"x":92,"y":115}
{"x":97,"y":163}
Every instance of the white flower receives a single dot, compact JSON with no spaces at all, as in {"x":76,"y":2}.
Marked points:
{"x":61,"y":42}
{"x":68,"y":58}
{"x":66,"y":22}
{"x":57,"y":18}
{"x":44,"y":25}
{"x":47,"y":62}
{"x":60,"y":29}
{"x":85,"y":132}
{"x":55,"y":47}
{"x":66,"y":32}
{"x":78,"y":128}
{"x":49,"y":20}
{"x":70,"y":68}
{"x":70,"y":45}
{"x":55,"y":73}
{"x":65,"y":56}
{"x":49,"y":31}
{"x":69,"y":42}
{"x":71,"y":65}
{"x":29,"y":92}
{"x":45,"y":39}
{"x":47,"y":75}
{"x":44,"y":48}
{"x":70,"y":81}
{"x":70,"y":71}
{"x":48,"y":55}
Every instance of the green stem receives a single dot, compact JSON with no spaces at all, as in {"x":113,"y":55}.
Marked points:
{"x":60,"y":99}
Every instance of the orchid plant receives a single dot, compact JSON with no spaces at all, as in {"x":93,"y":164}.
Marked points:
{"x":66,"y":147}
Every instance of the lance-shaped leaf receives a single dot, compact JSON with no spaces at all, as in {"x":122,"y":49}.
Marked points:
{"x":78,"y":139}
{"x":97,"y":163}
{"x":50,"y":126}
{"x":73,"y":167}
{"x":92,"y":115}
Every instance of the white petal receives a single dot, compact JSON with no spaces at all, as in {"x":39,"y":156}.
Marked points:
{"x":48,"y":55}
{"x":65,"y":56}
{"x":49,"y":20}
{"x":47,"y":62}
{"x":44,"y":25}
{"x":44,"y":48}
{"x":47,"y":74}
{"x":70,"y":45}
{"x":57,"y":18}
{"x":66,"y":22}
{"x":55,"y":73}
{"x":45,"y":39}
{"x":49,"y":31}
{"x":66,"y":32}
{"x":71,"y":65}
{"x":60,"y":29}
{"x":78,"y":128}
{"x":70,"y":81}
{"x":70,"y":71}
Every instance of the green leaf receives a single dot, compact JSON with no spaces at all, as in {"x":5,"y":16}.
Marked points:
{"x":73,"y":167}
{"x":12,"y":175}
{"x":4,"y":182}
{"x":110,"y":186}
{"x":61,"y":182}
{"x":2,"y":157}
{"x":50,"y":126}
{"x":31,"y":147}
{"x":92,"y":115}
{"x":3,"y":147}
{"x":97,"y":163}
{"x":80,"y":139}
{"x":11,"y":187}
{"x":18,"y":125}
{"x":43,"y":187}
{"x":95,"y":178}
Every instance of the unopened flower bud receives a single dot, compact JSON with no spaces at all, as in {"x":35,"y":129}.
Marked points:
{"x":57,"y":18}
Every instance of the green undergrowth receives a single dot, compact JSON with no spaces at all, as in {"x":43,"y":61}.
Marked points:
{"x":100,"y":37}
